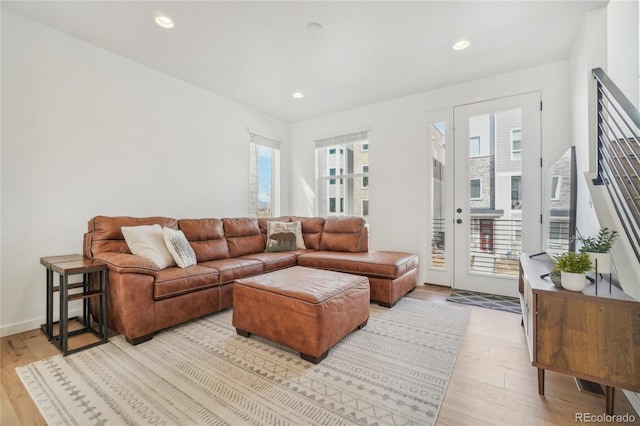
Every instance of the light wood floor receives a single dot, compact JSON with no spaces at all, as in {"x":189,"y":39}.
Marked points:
{"x":493,"y":382}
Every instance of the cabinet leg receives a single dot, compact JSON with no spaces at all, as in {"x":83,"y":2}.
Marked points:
{"x":610,"y":393}
{"x":540,"y":381}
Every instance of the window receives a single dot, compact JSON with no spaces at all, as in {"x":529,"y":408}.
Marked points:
{"x":474,"y":147}
{"x":365,"y":207}
{"x":264,"y":176}
{"x":555,"y":187}
{"x":475,"y":189}
{"x":516,"y":192}
{"x":516,"y":145}
{"x":350,"y":169}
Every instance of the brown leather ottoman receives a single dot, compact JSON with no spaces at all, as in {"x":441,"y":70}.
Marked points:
{"x":308,"y":310}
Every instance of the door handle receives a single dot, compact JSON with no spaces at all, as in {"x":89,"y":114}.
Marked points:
{"x":458,"y":220}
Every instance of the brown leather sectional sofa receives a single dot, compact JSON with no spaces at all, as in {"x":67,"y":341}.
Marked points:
{"x":144,"y":298}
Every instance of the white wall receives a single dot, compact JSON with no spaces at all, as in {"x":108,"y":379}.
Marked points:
{"x":589,"y":51}
{"x":397,"y":128}
{"x":622,"y":46}
{"x":86,"y":132}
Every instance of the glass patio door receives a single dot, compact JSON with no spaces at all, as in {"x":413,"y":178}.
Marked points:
{"x":497,"y":191}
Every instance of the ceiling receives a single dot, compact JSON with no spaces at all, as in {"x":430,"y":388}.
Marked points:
{"x":259,"y":53}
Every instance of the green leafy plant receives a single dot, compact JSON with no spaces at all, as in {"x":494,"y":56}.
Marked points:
{"x":602,"y":243}
{"x":577,"y":263}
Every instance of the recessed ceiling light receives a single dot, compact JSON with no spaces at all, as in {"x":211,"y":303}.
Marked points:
{"x":314,"y":28}
{"x":164,"y":21}
{"x":461,"y":45}
{"x":298,"y":95}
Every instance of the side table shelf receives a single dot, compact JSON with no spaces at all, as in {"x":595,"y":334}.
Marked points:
{"x":66,"y":266}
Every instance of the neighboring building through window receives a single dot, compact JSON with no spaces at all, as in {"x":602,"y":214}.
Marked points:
{"x":555,"y":187}
{"x":264,"y":176}
{"x":516,"y":192}
{"x":474,"y":146}
{"x":343,"y":174}
{"x":516,"y":144}
{"x":475,"y":190}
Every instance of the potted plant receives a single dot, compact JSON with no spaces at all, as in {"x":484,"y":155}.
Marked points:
{"x":599,"y":249}
{"x":573,"y":268}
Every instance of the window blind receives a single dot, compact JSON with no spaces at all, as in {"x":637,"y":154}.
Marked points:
{"x":343,"y":139}
{"x":264,"y":141}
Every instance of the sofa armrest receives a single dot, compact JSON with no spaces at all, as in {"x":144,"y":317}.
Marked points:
{"x":125,"y":263}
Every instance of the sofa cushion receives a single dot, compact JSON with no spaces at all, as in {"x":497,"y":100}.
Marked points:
{"x":231,"y":269}
{"x":179,"y":247}
{"x":175,"y":281}
{"x":243,"y":236}
{"x":274,"y":261}
{"x":206,"y":237}
{"x":311,"y":230}
{"x":148,"y":241}
{"x":383,"y":264}
{"x":346,"y":234}
{"x":104,"y":233}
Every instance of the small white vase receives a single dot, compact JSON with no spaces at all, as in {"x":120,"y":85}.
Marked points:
{"x":604,"y":262}
{"x":572,"y":281}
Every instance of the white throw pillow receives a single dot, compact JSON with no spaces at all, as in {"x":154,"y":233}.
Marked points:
{"x":148,"y":241}
{"x":179,"y":247}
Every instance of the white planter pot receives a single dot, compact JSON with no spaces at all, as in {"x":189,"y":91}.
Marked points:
{"x":573,"y":282}
{"x":604,"y":262}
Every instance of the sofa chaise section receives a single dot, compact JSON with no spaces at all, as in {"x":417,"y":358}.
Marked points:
{"x":391,"y":274}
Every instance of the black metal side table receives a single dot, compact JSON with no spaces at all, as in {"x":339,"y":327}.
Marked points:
{"x":66,"y":266}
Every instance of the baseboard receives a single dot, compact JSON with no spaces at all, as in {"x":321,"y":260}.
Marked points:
{"x":634,"y":400}
{"x":33,"y":324}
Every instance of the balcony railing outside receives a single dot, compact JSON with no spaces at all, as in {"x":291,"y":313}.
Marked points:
{"x":495,"y":245}
{"x":618,"y":132}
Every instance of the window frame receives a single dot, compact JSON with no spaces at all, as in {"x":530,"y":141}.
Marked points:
{"x":256,"y":143}
{"x":347,"y":172}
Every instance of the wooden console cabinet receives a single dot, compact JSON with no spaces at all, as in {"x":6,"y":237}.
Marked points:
{"x":589,"y":336}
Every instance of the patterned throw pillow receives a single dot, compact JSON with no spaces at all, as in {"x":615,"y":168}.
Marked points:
{"x":147,"y":241}
{"x":283,"y":236}
{"x":179,"y":247}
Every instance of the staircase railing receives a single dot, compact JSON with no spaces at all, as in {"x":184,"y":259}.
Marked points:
{"x":618,"y":129}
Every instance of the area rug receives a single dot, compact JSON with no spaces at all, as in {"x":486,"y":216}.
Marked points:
{"x":486,"y":300}
{"x":393,"y":371}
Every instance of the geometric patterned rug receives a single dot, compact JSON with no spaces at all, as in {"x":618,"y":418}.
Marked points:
{"x":393,"y":371}
{"x":486,"y":300}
